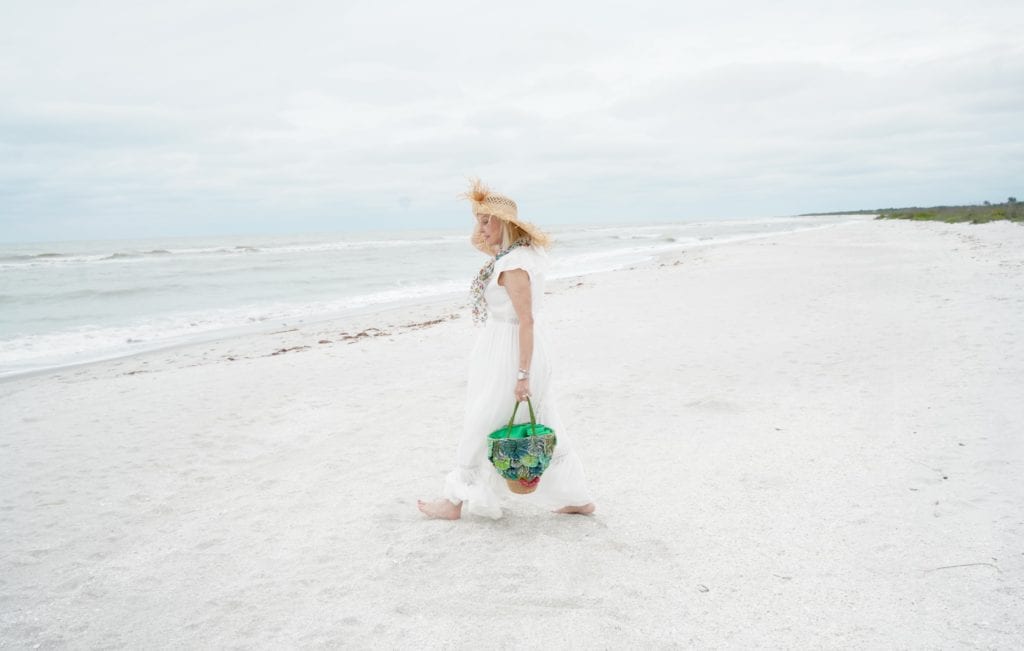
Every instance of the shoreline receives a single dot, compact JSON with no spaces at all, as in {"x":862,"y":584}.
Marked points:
{"x":806,"y":440}
{"x":433,"y":310}
{"x":220,"y":337}
{"x":135,"y":340}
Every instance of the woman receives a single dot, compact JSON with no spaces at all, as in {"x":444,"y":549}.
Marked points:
{"x":509,"y":363}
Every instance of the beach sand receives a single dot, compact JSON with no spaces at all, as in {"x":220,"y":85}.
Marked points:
{"x":811,"y":440}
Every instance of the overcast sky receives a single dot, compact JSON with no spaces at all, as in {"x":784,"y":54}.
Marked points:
{"x":202,"y":117}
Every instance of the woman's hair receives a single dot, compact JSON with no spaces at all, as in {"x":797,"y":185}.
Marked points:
{"x":511,"y":232}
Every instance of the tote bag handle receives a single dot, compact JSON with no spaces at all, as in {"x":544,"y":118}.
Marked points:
{"x":533,"y":418}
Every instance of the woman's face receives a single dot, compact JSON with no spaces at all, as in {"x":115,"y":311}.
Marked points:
{"x":490,"y":226}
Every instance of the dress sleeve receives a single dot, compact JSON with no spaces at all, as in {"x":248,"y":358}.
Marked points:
{"x":521,"y":258}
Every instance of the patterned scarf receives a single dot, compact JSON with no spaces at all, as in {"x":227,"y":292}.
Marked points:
{"x":476,"y":290}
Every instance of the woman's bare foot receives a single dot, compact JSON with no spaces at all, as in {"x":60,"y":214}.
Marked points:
{"x":586,"y":509}
{"x":441,"y":509}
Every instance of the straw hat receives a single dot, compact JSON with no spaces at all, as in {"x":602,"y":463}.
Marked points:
{"x":485,"y":202}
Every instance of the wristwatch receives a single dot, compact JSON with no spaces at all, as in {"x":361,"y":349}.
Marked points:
{"x":523,"y":375}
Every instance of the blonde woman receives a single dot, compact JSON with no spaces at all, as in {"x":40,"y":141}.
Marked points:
{"x":509,"y":363}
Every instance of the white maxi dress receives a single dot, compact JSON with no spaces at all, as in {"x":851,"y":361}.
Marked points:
{"x":493,"y":365}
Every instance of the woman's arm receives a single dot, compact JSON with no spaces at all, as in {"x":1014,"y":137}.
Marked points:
{"x":517,"y":284}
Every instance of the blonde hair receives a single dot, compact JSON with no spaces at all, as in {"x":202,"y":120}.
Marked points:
{"x":511,"y":232}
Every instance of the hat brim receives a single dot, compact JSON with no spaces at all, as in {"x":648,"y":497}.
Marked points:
{"x":537,"y":236}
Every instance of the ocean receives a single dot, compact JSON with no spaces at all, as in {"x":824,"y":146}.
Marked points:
{"x":71,"y":302}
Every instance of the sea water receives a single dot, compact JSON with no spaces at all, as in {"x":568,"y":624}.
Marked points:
{"x":70,"y":302}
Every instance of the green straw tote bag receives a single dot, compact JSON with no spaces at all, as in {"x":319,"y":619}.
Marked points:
{"x":521,"y":453}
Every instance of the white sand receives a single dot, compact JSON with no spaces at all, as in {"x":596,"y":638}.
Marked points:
{"x":807,"y":440}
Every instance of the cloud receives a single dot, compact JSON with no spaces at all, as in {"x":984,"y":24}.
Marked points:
{"x":195,"y":118}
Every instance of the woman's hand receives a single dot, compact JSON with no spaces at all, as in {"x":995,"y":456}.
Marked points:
{"x":522,"y":390}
